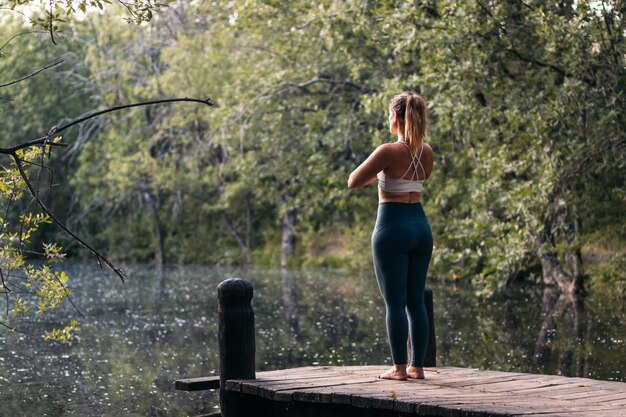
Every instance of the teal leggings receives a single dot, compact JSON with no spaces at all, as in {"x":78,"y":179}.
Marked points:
{"x":402,"y":245}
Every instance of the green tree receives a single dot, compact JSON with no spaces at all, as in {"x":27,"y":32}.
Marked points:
{"x":527,"y":125}
{"x":21,"y":280}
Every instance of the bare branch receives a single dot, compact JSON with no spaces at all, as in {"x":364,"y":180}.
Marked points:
{"x":7,"y":290}
{"x":20,"y":34}
{"x":67,"y":295}
{"x":346,"y":83}
{"x":233,"y":231}
{"x":43,"y":141}
{"x":15,"y":11}
{"x":31,"y":74}
{"x":46,"y":210}
{"x":56,"y":130}
{"x":279,"y":88}
{"x":13,"y":329}
{"x":51,"y":24}
{"x":554,"y":67}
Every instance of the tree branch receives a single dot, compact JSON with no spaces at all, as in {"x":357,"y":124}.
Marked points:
{"x":45,"y":209}
{"x":67,"y":295}
{"x":584,"y":164}
{"x":20,"y":34}
{"x":279,"y":88}
{"x":233,"y":231}
{"x":41,"y":141}
{"x":305,"y":84}
{"x":55,"y":130}
{"x":553,"y":67}
{"x":45,"y":140}
{"x":51,"y":24}
{"x":31,"y":74}
{"x":13,"y":329}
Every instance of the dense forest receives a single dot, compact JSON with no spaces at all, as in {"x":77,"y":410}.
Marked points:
{"x":526,"y":100}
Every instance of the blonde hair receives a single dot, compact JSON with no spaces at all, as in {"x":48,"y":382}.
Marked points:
{"x":411,"y":108}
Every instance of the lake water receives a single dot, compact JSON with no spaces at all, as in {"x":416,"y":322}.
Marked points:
{"x":137,"y":338}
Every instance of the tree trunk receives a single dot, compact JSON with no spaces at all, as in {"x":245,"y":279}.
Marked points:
{"x":553,"y":275}
{"x":159,"y":255}
{"x":248,"y":228}
{"x":289,"y":237}
{"x":565,"y":271}
{"x":574,"y":257}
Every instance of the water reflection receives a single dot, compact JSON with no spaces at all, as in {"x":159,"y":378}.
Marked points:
{"x":289,"y":302}
{"x":138,"y":338}
{"x":564,"y":314}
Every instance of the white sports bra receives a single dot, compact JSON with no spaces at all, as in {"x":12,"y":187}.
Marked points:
{"x":402,"y":185}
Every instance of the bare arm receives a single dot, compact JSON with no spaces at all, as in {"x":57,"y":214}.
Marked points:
{"x":366,"y":172}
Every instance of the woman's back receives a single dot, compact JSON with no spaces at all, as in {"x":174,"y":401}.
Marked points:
{"x":399,"y":165}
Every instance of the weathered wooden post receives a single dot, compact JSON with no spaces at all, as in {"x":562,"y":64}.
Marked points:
{"x":430,"y":359}
{"x":236,"y":339}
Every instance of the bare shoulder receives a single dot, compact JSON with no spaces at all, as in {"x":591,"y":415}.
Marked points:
{"x":394,"y":147}
{"x":384,"y":150}
{"x":428,"y":151}
{"x":385,"y":147}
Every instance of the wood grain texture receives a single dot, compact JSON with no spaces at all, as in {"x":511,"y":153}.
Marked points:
{"x":446,"y":392}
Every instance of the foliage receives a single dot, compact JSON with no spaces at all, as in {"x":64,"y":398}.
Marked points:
{"x":527,"y":126}
{"x":303,"y":99}
{"x":48,"y":14}
{"x":25,"y":283}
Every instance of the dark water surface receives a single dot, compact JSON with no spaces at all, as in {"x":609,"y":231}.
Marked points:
{"x":136,"y":339}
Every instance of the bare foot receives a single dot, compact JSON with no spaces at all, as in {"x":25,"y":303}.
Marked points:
{"x":415,"y":372}
{"x":395,"y":373}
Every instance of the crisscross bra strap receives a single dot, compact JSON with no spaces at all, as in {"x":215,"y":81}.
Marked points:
{"x":415,"y":163}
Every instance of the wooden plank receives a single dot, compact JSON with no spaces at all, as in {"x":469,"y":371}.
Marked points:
{"x":469,"y":381}
{"x":233,"y":385}
{"x":446,"y":392}
{"x":291,"y":379}
{"x":572,"y":392}
{"x":621,"y":402}
{"x":314,"y":383}
{"x":198,"y":384}
{"x":404,"y":406}
{"x":286,"y":392}
{"x":587,"y":382}
{"x":383,"y":402}
{"x":577,"y":413}
{"x":515,"y":386}
{"x":291,"y":371}
{"x":267,"y":385}
{"x":341,"y":398}
{"x":545,"y":388}
{"x":575,"y":395}
{"x":341,"y":394}
{"x":361,"y":401}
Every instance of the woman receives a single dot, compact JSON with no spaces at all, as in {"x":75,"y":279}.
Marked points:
{"x":402,"y":241}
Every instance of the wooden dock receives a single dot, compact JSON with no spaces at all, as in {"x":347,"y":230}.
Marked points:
{"x":350,"y":391}
{"x":446,"y":392}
